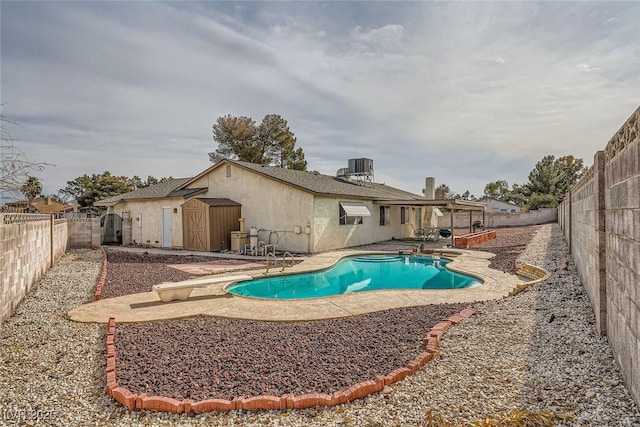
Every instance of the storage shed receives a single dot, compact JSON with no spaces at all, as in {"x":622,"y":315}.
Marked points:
{"x":207,"y":223}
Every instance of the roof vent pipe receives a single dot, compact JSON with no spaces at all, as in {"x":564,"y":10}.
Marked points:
{"x":430,"y":188}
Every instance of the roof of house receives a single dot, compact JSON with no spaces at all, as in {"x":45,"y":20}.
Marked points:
{"x":52,"y":208}
{"x":160,"y":190}
{"x":321,"y":184}
{"x":486,"y":199}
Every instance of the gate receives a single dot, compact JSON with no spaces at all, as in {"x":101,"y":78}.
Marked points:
{"x":111,"y":227}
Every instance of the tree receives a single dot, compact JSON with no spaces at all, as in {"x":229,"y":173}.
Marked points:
{"x":554,"y":176}
{"x":87,"y":189}
{"x":572,"y":170}
{"x":31,"y":189}
{"x":497,"y":189}
{"x":271,"y":142}
{"x":538,"y":201}
{"x":15,"y":167}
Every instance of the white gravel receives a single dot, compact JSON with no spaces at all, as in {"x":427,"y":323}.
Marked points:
{"x":510,"y":355}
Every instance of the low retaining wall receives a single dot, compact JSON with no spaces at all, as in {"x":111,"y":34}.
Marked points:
{"x":468,"y":240}
{"x":135,"y":401}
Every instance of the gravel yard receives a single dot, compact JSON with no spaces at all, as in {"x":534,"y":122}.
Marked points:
{"x":537,"y":350}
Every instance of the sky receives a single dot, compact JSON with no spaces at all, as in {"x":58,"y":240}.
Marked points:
{"x":466,"y":92}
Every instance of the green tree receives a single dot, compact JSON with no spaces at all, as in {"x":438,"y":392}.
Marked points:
{"x":538,"y":201}
{"x":87,"y":189}
{"x":31,"y":189}
{"x":497,"y":189}
{"x":554,"y":176}
{"x":572,"y":170}
{"x":271,"y":142}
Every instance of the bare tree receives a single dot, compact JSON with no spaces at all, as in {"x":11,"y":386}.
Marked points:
{"x":15,"y":167}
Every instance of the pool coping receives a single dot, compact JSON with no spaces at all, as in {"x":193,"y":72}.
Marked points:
{"x":214,"y":301}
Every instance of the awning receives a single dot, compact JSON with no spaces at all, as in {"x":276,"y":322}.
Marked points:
{"x":355,"y":209}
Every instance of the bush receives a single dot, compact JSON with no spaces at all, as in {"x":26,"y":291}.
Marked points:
{"x":538,"y":201}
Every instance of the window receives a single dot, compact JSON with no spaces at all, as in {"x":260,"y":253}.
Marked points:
{"x":228,"y":170}
{"x":404,"y":215}
{"x":384,"y":215}
{"x":352,"y":212}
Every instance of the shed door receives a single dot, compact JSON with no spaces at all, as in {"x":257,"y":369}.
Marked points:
{"x":166,"y":227}
{"x":195,"y":229}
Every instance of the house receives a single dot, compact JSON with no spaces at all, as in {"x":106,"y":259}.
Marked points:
{"x":297,"y":211}
{"x":495,"y":205}
{"x":42,"y":205}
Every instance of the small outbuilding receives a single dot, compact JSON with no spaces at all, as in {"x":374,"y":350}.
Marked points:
{"x":207,"y":223}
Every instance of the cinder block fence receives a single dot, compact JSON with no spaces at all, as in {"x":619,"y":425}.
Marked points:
{"x":600,"y":218}
{"x":30,"y":244}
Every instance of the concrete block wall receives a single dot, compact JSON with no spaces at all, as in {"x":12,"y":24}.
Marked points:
{"x":84,"y":232}
{"x":600,"y":218}
{"x":60,"y":238}
{"x":500,"y":220}
{"x":25,"y":257}
{"x":29,"y":245}
{"x":587,"y":241}
{"x":622,"y":270}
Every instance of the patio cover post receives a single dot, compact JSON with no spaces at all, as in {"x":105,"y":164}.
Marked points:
{"x":452,"y":228}
{"x":470,"y":221}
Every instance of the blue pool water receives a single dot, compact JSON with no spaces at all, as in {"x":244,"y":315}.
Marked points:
{"x":357,"y":274}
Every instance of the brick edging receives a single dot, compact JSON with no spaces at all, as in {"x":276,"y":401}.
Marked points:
{"x":103,"y":277}
{"x":135,"y":401}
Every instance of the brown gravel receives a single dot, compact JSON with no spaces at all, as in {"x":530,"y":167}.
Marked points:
{"x":207,"y":357}
{"x":508,"y":245}
{"x":130,"y":273}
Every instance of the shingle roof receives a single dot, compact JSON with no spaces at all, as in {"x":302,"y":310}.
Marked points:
{"x":330,"y":185}
{"x":162,"y":189}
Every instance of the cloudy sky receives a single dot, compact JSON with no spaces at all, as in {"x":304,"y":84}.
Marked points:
{"x":466,"y":92}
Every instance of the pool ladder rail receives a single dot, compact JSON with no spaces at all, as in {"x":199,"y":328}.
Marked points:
{"x":275,"y":260}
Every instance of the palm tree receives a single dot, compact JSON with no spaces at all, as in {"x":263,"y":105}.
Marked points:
{"x":31,"y":189}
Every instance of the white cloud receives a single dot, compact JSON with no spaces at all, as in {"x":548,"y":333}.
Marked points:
{"x":135,"y":88}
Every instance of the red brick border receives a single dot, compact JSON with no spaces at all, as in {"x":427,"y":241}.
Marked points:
{"x":103,"y":276}
{"x":288,"y":401}
{"x":467,"y":240}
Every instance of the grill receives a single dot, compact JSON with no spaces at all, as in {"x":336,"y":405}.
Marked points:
{"x":445,"y":233}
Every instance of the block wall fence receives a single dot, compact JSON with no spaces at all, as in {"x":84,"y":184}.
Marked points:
{"x":499,"y":219}
{"x":600,"y":219}
{"x":30,"y":244}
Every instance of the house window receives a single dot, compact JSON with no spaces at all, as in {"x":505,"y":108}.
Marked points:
{"x":503,"y":210}
{"x":404,"y":215}
{"x":384,"y":215}
{"x":352,"y":212}
{"x":228,"y":170}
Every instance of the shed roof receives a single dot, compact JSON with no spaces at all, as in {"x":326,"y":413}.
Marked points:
{"x":217,"y":202}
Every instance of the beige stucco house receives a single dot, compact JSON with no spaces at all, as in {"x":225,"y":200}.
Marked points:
{"x":297,"y":211}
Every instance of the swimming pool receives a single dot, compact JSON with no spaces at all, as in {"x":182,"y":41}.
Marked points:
{"x":358,"y":274}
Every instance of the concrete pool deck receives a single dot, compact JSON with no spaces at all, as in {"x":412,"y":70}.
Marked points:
{"x":214,"y":301}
